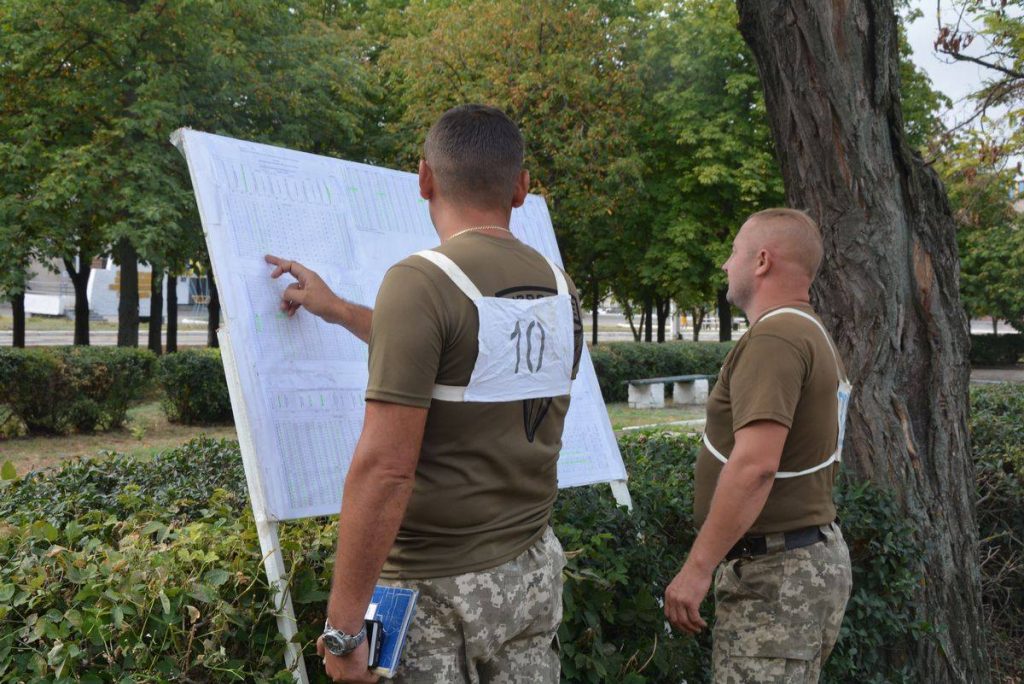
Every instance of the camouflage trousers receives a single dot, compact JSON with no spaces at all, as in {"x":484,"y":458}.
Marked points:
{"x":777,"y":616}
{"x":497,"y":625}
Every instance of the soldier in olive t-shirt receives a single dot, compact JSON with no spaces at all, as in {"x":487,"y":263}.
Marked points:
{"x":786,"y":373}
{"x":486,"y":477}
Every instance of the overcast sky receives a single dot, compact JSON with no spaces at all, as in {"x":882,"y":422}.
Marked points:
{"x":955,"y":79}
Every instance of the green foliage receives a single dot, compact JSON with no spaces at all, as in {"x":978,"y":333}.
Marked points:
{"x":178,"y":483}
{"x":997,"y":440}
{"x":990,"y":233}
{"x":564,"y":72}
{"x":886,"y":576}
{"x":60,"y":389}
{"x":195,"y":387}
{"x":710,"y":158}
{"x":619,"y":564}
{"x":618,"y":362}
{"x":120,"y":569}
{"x":996,"y":350}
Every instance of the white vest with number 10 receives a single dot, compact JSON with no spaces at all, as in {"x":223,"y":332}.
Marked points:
{"x":526,"y":346}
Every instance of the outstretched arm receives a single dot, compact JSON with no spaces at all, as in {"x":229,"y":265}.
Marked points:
{"x":312,"y":292}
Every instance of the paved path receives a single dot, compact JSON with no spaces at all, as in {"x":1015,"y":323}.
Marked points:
{"x":188,"y":337}
{"x":991,"y":376}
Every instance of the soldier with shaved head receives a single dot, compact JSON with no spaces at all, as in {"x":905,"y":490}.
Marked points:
{"x":769,"y":537}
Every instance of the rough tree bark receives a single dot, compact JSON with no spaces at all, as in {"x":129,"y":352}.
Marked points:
{"x":648,"y":320}
{"x":172,"y":314}
{"x":724,"y":316}
{"x":128,"y":294}
{"x":80,"y":281}
{"x":18,"y":313}
{"x":213,"y":312}
{"x":888,"y":291}
{"x":664,"y":308}
{"x":156,"y":310}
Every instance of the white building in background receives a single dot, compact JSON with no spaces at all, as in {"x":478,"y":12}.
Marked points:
{"x":53,"y":294}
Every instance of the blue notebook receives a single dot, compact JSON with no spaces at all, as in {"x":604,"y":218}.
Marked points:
{"x":394,"y":608}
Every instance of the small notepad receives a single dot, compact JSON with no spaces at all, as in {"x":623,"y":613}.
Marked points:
{"x":394,"y":608}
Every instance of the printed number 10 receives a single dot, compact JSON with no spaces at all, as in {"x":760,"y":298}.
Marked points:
{"x":518,"y":336}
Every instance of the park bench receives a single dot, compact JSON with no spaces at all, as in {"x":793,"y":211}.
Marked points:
{"x":686,"y":390}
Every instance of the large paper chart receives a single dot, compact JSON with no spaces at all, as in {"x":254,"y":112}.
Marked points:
{"x":302,"y":380}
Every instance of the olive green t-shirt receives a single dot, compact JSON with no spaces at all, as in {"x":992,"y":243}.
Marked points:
{"x":781,"y":370}
{"x":486,"y":477}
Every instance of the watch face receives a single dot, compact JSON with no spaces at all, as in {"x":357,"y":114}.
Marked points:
{"x":333,"y":643}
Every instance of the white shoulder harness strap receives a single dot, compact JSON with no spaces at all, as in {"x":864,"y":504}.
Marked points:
{"x":836,"y":455}
{"x":462,"y":281}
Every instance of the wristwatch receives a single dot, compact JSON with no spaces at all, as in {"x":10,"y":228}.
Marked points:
{"x":338,"y":643}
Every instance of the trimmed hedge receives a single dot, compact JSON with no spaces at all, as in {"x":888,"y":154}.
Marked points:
{"x":195,"y":388}
{"x":64,"y":389}
{"x":120,"y":569}
{"x":617,"y":362}
{"x":997,"y":438}
{"x":996,"y":350}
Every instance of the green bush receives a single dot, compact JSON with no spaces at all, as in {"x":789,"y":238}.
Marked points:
{"x":32,"y":388}
{"x":997,"y":440}
{"x":61,"y":389}
{"x":121,"y":569}
{"x":617,"y":362}
{"x":195,"y":388}
{"x":619,"y":564}
{"x":996,"y":350}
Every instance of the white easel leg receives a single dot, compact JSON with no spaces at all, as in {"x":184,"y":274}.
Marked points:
{"x":273,"y":561}
{"x":621,"y":493}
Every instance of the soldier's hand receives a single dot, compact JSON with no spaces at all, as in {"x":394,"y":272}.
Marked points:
{"x":683,"y":597}
{"x":308,"y":291}
{"x":347,"y":668}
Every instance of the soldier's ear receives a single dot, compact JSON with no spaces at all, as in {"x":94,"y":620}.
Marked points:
{"x":426,"y":180}
{"x":522,"y":189}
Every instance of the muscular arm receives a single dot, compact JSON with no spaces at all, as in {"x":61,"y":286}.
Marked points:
{"x":356,"y":318}
{"x":742,"y":489}
{"x":377,"y":490}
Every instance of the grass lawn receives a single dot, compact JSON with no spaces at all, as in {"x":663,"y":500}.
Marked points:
{"x":148,"y":432}
{"x":622,"y":416}
{"x":145,"y":433}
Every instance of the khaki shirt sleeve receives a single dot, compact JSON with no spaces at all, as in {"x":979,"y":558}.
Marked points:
{"x":766,"y":382}
{"x":406,"y":338}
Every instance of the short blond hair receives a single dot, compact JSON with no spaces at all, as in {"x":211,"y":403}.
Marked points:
{"x":793,"y":233}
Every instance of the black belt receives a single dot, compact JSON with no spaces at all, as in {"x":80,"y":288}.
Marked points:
{"x":758,"y":545}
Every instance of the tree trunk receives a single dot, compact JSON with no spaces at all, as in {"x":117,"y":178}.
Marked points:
{"x":724,"y":316}
{"x":156,"y":310}
{"x":213,"y":310}
{"x":698,"y":322}
{"x":128,"y":294}
{"x":627,"y":311}
{"x":995,"y":325}
{"x":80,"y":281}
{"x":888,"y":291}
{"x":18,"y":313}
{"x":664,"y":307}
{"x":172,"y":314}
{"x":594,"y":314}
{"x":648,"y":320}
